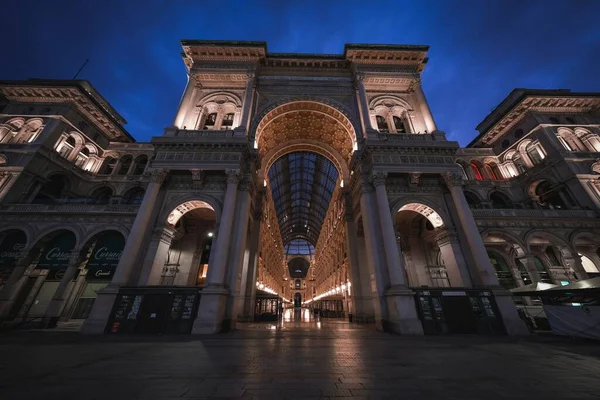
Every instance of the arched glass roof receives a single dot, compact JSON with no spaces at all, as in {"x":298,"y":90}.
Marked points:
{"x":302,"y":184}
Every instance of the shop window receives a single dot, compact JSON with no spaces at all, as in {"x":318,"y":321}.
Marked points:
{"x":204,"y":260}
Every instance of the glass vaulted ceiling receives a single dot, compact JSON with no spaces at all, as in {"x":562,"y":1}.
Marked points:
{"x":302,"y":184}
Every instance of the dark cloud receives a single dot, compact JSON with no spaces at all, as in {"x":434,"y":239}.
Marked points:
{"x":480,"y":50}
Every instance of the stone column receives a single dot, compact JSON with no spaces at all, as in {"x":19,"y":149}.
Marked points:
{"x":455,"y":264}
{"x":485,"y":270}
{"x":249,"y":277}
{"x":363,"y":102}
{"x":577,"y":266}
{"x":402,"y":317}
{"x":487,"y":277}
{"x":396,"y":269}
{"x":424,"y":106}
{"x":214,"y":297}
{"x":14,"y":284}
{"x":395,"y":308}
{"x":529,"y":263}
{"x":153,"y":276}
{"x":184,"y":104}
{"x":96,"y":322}
{"x":352,"y":251}
{"x":247,"y":104}
{"x":57,"y":303}
{"x":238,"y":251}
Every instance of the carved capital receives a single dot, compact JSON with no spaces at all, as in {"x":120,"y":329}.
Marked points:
{"x":233,"y":176}
{"x":360,"y":76}
{"x":415,"y":177}
{"x":157,"y":175}
{"x":445,"y":236}
{"x":378,"y":178}
{"x":452,"y":179}
{"x":197,"y":174}
{"x":244,"y":184}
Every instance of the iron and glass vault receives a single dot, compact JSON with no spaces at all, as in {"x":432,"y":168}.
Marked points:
{"x":302,"y":184}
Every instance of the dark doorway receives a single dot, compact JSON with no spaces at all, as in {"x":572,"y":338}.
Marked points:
{"x":297,"y":300}
{"x":459,"y":317}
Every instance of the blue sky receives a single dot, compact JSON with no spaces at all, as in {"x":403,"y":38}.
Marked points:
{"x":480,"y":49}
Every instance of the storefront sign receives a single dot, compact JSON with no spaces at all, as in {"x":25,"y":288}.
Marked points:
{"x":11,"y":249}
{"x":57,"y":253}
{"x":105,"y":257}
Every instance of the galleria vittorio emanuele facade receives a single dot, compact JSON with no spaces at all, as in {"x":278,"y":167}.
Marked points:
{"x":292,"y":180}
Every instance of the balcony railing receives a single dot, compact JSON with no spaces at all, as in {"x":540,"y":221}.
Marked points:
{"x":520,"y":213}
{"x":71,"y":208}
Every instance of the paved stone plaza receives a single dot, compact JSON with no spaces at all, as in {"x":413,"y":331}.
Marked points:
{"x":299,"y":360}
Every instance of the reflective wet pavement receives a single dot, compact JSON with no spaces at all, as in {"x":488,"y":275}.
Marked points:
{"x":299,"y":359}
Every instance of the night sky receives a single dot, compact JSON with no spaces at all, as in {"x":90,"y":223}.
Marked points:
{"x":480,"y":49}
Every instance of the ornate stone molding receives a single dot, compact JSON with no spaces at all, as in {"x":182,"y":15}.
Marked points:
{"x":445,"y":236}
{"x":378,"y":178}
{"x":156,"y":175}
{"x":452,"y":179}
{"x":233,"y":176}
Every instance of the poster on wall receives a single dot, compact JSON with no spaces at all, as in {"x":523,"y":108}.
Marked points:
{"x":105,"y":257}
{"x":56,"y":254}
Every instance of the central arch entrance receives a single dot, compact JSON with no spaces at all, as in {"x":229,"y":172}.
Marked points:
{"x":305,"y":148}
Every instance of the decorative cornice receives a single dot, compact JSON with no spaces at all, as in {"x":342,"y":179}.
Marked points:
{"x":233,"y":176}
{"x":453,"y":179}
{"x":378,"y":178}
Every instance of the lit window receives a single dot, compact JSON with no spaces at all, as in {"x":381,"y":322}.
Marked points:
{"x":399,"y":125}
{"x":227,"y":120}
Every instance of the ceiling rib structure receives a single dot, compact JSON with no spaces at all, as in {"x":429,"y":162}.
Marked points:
{"x":302,"y":184}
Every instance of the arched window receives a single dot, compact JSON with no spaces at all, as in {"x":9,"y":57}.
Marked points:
{"x":381,"y":124}
{"x":101,"y":195}
{"x":505,"y":277}
{"x":140,"y":165}
{"x":549,"y":196}
{"x":134,"y":196}
{"x":490,"y":171}
{"x":589,"y":266}
{"x":518,"y":133}
{"x":523,"y":272}
{"x":297,"y":284}
{"x":476,"y":172}
{"x":227,"y":121}
{"x":542,"y":270}
{"x":564,"y":143}
{"x":472,"y":200}
{"x":211,"y":121}
{"x":399,"y":124}
{"x":518,"y":161}
{"x":67,"y":147}
{"x":125,"y":165}
{"x":109,"y":166}
{"x":82,"y":157}
{"x":534,"y":153}
{"x":500,"y":200}
{"x":53,"y":190}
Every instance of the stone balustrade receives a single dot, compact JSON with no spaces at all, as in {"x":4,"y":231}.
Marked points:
{"x":70,"y":208}
{"x":520,"y":213}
